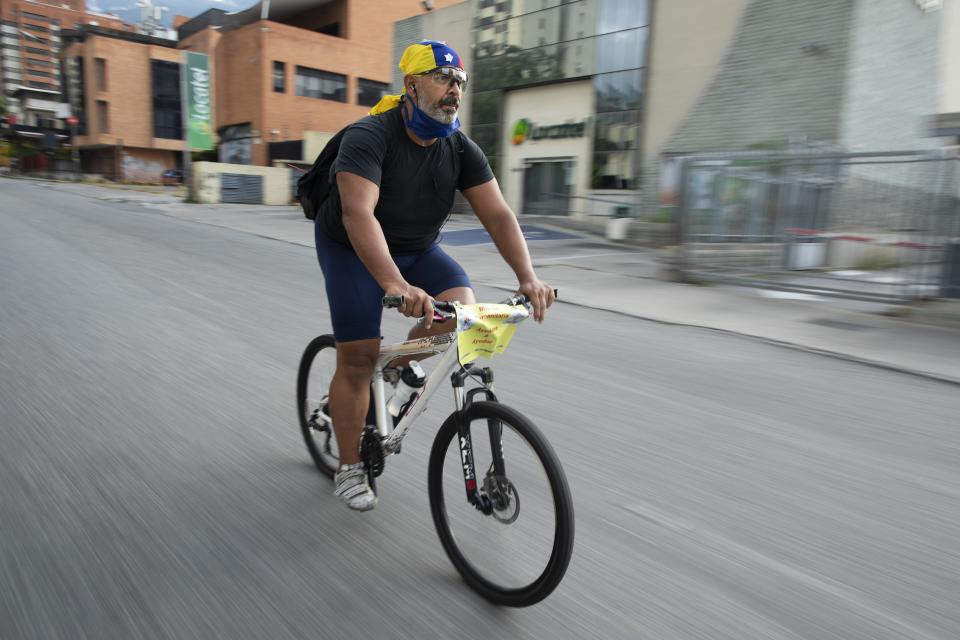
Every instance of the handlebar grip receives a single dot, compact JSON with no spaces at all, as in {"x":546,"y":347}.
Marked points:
{"x":392,"y":302}
{"x":523,"y":299}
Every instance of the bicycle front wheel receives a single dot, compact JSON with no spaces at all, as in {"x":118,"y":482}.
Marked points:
{"x":518,"y":554}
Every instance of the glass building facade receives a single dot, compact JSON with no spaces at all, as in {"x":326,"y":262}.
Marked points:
{"x":520,"y":44}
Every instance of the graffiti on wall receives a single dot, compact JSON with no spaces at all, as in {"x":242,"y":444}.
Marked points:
{"x":142,"y":170}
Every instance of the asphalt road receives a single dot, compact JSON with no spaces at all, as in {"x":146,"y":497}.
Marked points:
{"x":153,"y":483}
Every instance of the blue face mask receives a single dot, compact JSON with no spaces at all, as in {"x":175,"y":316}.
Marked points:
{"x":426,"y":127}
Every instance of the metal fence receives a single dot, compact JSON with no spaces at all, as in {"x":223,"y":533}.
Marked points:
{"x":872,"y":226}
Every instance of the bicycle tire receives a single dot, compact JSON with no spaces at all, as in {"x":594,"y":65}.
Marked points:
{"x":324,"y":462}
{"x":562,"y":548}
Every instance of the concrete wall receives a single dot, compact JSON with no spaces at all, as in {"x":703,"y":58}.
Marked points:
{"x":891,"y":81}
{"x":314,"y":142}
{"x":781,"y":77}
{"x":206,"y":181}
{"x":146,"y":165}
{"x":678,"y":73}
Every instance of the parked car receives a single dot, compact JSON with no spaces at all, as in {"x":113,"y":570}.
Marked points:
{"x":172,"y":176}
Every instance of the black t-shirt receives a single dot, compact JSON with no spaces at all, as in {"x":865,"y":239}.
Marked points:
{"x":417,"y":184}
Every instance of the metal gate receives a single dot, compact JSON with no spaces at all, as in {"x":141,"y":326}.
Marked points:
{"x":870,"y":226}
{"x":239,"y":188}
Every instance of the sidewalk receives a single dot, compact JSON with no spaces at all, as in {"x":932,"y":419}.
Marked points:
{"x":592,"y":272}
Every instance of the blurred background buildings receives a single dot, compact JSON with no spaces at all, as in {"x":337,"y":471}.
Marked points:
{"x":581,"y":105}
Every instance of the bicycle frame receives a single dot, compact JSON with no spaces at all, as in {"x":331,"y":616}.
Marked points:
{"x":445,"y":344}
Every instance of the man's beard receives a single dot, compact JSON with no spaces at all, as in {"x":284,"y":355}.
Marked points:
{"x":437,"y":113}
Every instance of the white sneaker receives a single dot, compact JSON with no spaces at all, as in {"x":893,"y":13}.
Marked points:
{"x":350,"y":485}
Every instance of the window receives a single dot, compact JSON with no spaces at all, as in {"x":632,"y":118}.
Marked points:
{"x":103,"y":116}
{"x":279,"y":79}
{"x":76,"y":92}
{"x":617,"y":15}
{"x":165,"y":84}
{"x":370,"y":92}
{"x":614,"y":170}
{"x":42,"y":52}
{"x":620,"y":51}
{"x":40,"y":85}
{"x":314,"y":83}
{"x":618,"y":91}
{"x":330,"y":30}
{"x":40,"y":74}
{"x":616,"y":131}
{"x":100,"y":73}
{"x":33,"y":16}
{"x":35,"y":27}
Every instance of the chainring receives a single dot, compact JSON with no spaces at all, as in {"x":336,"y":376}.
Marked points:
{"x":371,"y":451}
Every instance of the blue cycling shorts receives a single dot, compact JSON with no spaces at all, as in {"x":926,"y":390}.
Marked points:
{"x":355,"y":298}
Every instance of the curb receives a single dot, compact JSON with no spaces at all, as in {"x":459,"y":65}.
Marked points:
{"x":786,"y":344}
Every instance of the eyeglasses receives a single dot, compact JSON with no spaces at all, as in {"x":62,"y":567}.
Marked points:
{"x":446,"y":75}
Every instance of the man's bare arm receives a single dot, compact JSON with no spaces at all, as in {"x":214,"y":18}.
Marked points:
{"x":358,"y":198}
{"x":496,"y":217}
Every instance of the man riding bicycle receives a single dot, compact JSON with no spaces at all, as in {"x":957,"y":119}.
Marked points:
{"x":377,"y":233}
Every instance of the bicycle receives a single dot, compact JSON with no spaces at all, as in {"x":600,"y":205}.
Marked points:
{"x":492,"y":505}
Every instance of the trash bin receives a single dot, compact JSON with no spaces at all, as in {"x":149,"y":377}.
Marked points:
{"x":950,"y":276}
{"x":619,"y":223}
{"x":806,"y":249}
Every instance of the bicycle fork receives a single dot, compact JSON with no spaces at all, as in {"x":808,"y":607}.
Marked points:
{"x":475,"y":496}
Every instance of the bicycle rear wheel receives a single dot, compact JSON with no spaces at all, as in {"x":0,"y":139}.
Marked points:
{"x":317,"y":365}
{"x":519,"y":553}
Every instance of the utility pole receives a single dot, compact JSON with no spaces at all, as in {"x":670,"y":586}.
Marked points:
{"x":184,"y":112}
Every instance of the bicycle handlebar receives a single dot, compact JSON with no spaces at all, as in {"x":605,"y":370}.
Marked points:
{"x":395,"y":302}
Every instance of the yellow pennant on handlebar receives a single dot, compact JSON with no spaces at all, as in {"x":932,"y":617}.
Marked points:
{"x":486,"y":329}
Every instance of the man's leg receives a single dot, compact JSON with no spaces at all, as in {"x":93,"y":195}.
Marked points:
{"x":350,"y":394}
{"x":349,"y":397}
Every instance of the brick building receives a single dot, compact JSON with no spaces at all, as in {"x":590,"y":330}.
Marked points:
{"x":30,"y":45}
{"x":292,"y":67}
{"x":124,"y":88}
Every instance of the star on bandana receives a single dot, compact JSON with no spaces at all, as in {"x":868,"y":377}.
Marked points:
{"x":448,"y":57}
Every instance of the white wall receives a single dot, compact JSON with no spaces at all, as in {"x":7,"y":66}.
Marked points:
{"x":548,"y":105}
{"x":206,"y":181}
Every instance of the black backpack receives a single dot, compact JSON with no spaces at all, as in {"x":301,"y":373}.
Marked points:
{"x":313,"y":187}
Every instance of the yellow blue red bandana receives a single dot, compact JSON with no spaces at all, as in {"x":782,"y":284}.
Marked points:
{"x":420,"y":58}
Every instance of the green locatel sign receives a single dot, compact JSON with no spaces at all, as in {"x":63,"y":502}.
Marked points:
{"x":524,"y":128}
{"x":199,"y":105}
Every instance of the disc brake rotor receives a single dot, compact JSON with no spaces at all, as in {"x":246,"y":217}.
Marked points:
{"x":504,"y":498}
